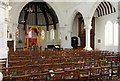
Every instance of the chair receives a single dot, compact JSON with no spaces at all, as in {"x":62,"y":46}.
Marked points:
{"x":6,"y":73}
{"x":33,"y":68}
{"x":84,"y":74}
{"x":105,"y":72}
{"x":78,"y":65}
{"x":87,"y":64}
{"x":23,"y":77}
{"x":56,"y":61}
{"x":119,"y":71}
{"x":102,"y":63}
{"x":39,"y":76}
{"x":114,"y":67}
{"x":57,"y":67}
{"x":48,"y":61}
{"x":70,"y":74}
{"x":95,"y":64}
{"x":45,"y":67}
{"x":95,"y":73}
{"x":18,"y":70}
{"x":67,"y":66}
{"x":87,"y":57}
{"x":54,"y":76}
{"x":3,"y":64}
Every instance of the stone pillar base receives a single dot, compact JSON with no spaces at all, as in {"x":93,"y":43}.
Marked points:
{"x":87,"y":48}
{"x":1,"y":76}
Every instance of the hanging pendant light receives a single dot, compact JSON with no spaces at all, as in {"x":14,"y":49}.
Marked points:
{"x":23,"y":21}
{"x":30,"y":10}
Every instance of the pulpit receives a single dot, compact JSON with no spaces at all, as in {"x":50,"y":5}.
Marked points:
{"x":74,"y":42}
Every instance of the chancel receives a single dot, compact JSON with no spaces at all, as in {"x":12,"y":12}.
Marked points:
{"x":59,"y":40}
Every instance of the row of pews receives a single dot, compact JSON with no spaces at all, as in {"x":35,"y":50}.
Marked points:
{"x":61,"y":65}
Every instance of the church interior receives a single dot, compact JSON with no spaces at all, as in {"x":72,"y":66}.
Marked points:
{"x":43,"y":40}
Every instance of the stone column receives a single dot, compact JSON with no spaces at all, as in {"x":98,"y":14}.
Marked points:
{"x":118,"y":20}
{"x":14,"y":35}
{"x":119,"y":35}
{"x":87,"y":31}
{"x":1,"y":76}
{"x":3,"y":30}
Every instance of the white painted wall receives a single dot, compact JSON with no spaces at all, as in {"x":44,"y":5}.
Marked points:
{"x":66,"y":13}
{"x":100,"y":23}
{"x":75,"y":27}
{"x":119,"y":24}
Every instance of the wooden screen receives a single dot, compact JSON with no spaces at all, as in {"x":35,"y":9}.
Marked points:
{"x":92,"y":33}
{"x":82,"y":33}
{"x":10,"y":44}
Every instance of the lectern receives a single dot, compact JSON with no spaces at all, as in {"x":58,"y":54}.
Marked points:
{"x":74,"y":42}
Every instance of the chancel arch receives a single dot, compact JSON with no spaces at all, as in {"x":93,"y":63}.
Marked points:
{"x":34,"y":18}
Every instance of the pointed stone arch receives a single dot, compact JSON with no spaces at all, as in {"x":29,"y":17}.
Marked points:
{"x":96,"y":4}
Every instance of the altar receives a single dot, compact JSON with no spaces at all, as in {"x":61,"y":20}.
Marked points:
{"x":33,"y":36}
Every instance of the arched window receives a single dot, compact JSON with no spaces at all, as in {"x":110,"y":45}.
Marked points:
{"x":115,"y":34}
{"x":108,"y":33}
{"x":43,"y":34}
{"x":111,"y":34}
{"x":52,"y":34}
{"x":60,"y":36}
{"x":30,"y":34}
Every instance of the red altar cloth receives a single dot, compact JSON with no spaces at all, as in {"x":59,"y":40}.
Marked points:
{"x":32,"y":40}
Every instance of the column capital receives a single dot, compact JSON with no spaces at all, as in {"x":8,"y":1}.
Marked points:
{"x":69,"y":31}
{"x":88,"y":18}
{"x":88,"y":27}
{"x":88,"y":22}
{"x":3,"y":4}
{"x":62,"y":28}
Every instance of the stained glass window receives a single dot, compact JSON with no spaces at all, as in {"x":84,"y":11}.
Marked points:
{"x":52,"y":34}
{"x":30,"y":34}
{"x":17,"y":34}
{"x":43,"y":34}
